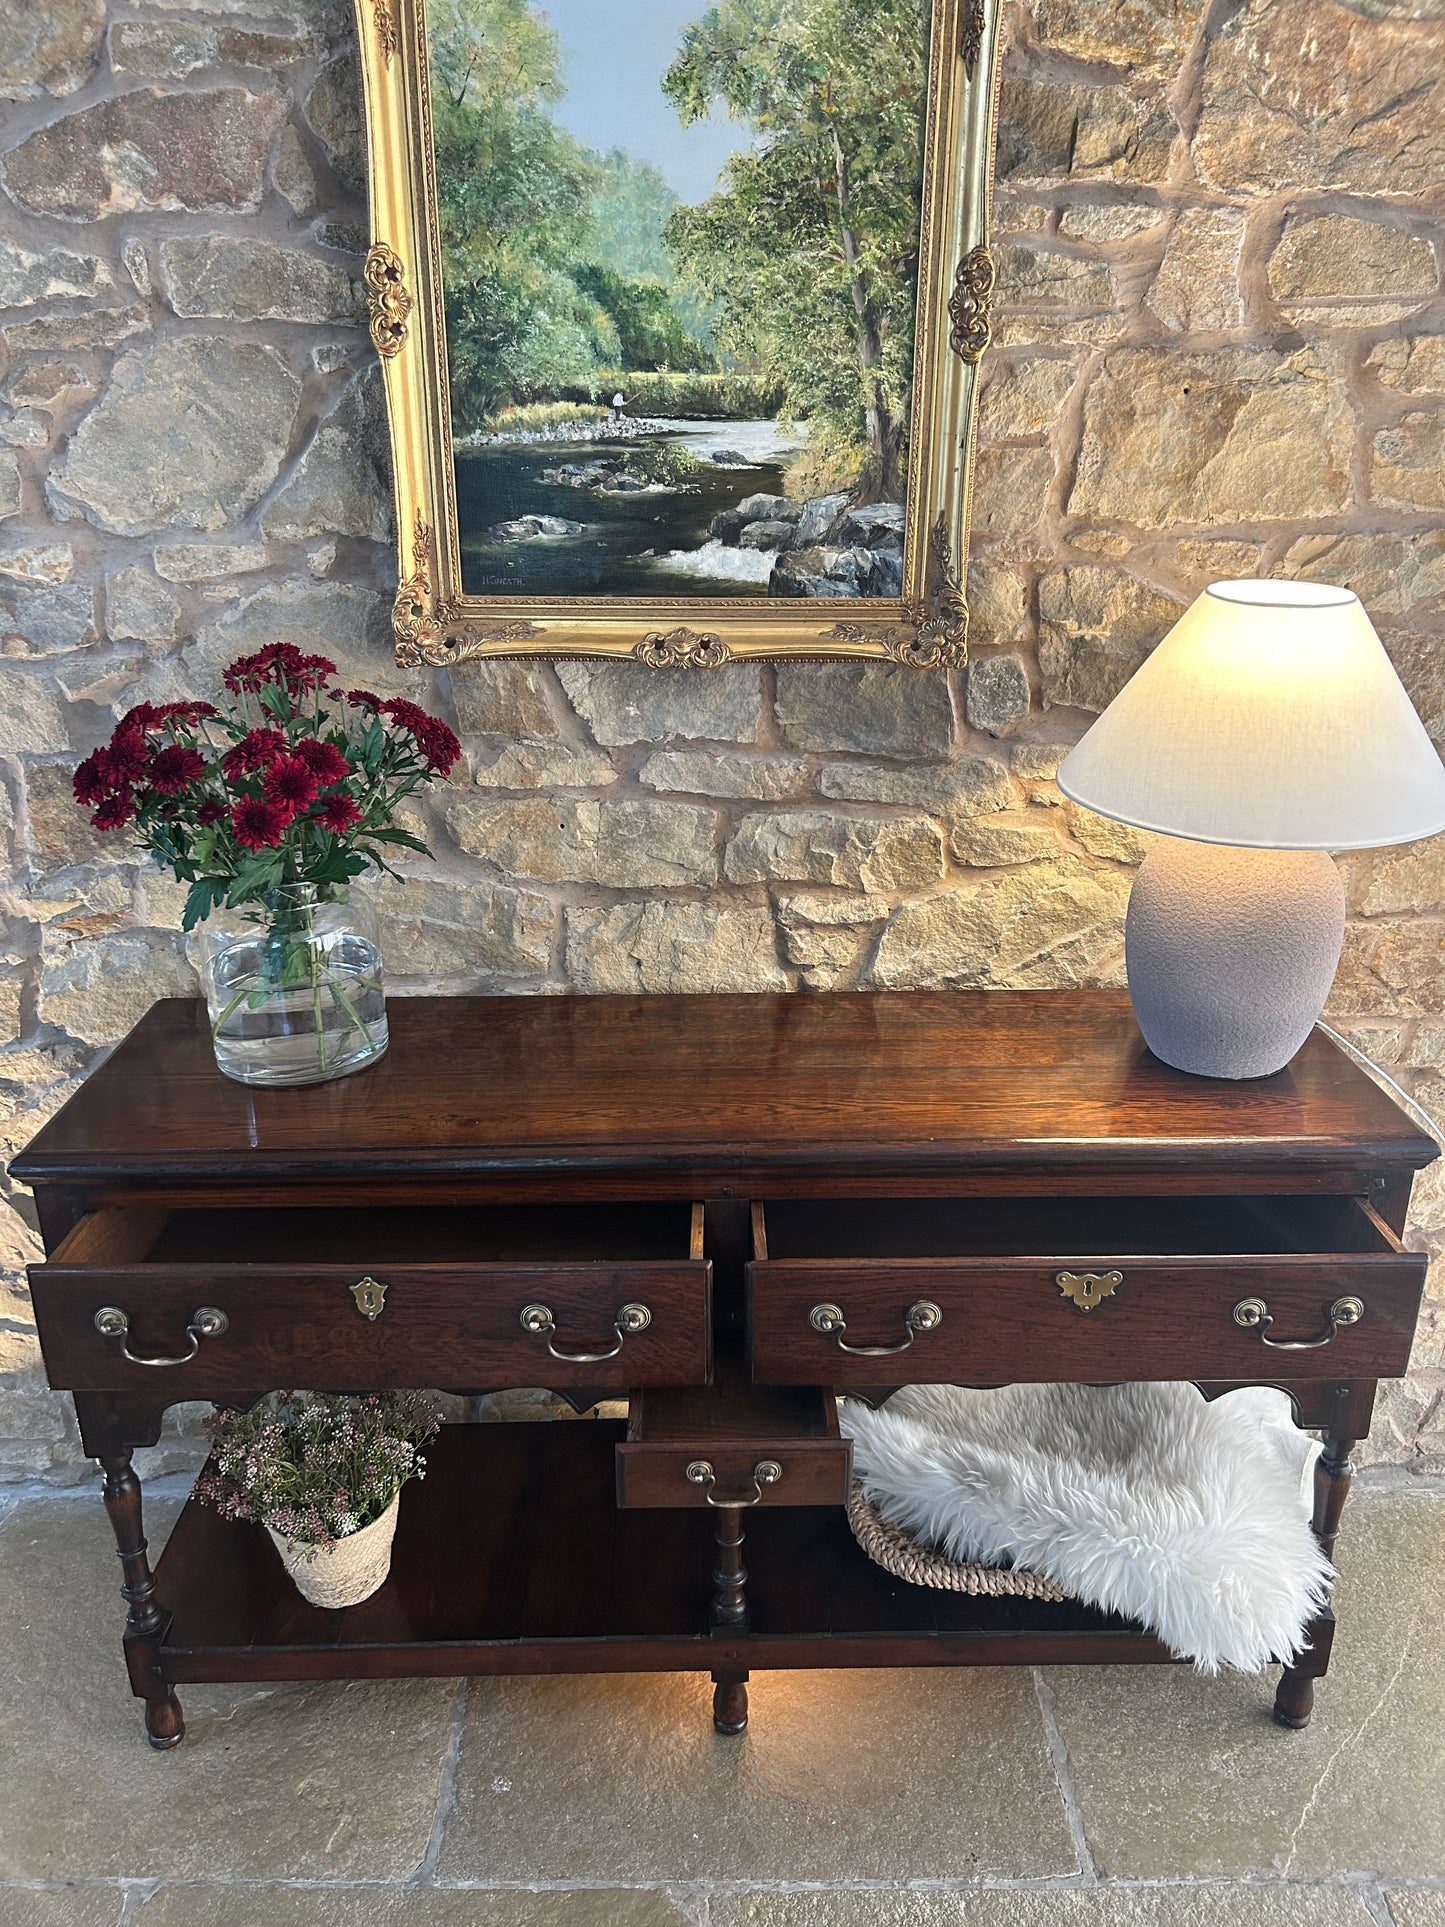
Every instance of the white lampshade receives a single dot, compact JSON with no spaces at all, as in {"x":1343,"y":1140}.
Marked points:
{"x":1270,"y":717}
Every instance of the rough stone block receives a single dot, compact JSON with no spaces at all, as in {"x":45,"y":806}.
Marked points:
{"x":989,"y":842}
{"x":31,"y":718}
{"x":49,"y":49}
{"x":1196,"y":289}
{"x":700,"y":772}
{"x":1022,"y":398}
{"x":138,"y":606}
{"x":998,"y":694}
{"x":233,"y":278}
{"x":1240,"y":432}
{"x":990,"y":932}
{"x":1407,"y":463}
{"x":623,"y":702}
{"x":867,"y":707}
{"x":1096,"y":626}
{"x":818,"y":846}
{"x":1327,"y":93}
{"x":341,"y":484}
{"x":666,"y":947}
{"x":228,"y":406}
{"x":504,"y":699}
{"x":28,"y":278}
{"x":192,"y":152}
{"x":169,"y":49}
{"x":10,"y":489}
{"x":975,"y":783}
{"x":1416,"y":367}
{"x":97,"y":988}
{"x":446,"y":931}
{"x":499,"y":764}
{"x":627,"y":844}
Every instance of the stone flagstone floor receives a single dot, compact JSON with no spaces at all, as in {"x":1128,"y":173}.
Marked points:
{"x":1071,"y":1797}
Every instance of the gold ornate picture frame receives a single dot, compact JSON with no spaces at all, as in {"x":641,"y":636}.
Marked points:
{"x":438,"y":620}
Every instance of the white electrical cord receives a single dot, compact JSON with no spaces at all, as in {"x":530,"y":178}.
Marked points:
{"x":1421,"y":1117}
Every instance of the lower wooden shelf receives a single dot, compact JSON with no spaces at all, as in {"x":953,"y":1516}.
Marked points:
{"x":512,"y":1557}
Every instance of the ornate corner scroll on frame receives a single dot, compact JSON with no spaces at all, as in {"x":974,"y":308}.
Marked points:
{"x":421,"y":620}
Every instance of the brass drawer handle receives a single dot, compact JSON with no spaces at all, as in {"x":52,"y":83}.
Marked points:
{"x":922,"y":1317}
{"x":1253,"y":1314}
{"x":538,"y":1320}
{"x":111,"y":1322}
{"x":765,"y":1472}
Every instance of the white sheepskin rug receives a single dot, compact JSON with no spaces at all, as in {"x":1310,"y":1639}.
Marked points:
{"x":1144,"y":1500}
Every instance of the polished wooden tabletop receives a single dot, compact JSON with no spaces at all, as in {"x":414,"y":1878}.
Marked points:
{"x":719,"y":1084}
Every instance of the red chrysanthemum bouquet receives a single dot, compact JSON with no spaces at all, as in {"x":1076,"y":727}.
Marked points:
{"x":269,"y":808}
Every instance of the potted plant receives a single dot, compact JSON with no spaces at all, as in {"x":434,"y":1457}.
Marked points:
{"x":323,"y":1473}
{"x":268,"y":809}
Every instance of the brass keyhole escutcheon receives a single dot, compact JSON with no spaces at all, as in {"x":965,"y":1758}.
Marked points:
{"x":1088,"y":1288}
{"x":370,"y":1296}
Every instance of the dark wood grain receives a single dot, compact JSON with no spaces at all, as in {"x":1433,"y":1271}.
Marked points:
{"x":867,"y":1150}
{"x":748,"y":1089}
{"x":466,"y":1602}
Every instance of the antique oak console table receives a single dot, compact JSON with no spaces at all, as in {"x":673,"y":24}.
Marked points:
{"x":726,"y":1209}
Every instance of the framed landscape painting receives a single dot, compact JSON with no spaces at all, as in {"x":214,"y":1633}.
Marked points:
{"x":680,"y":309}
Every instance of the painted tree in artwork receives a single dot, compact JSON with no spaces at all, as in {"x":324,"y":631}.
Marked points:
{"x":811,"y":245}
{"x":552,"y":255}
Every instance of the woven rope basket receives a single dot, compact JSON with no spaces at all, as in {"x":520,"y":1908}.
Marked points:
{"x":892,"y":1549}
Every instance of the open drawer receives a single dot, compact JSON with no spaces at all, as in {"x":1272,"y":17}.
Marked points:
{"x":223,"y":1301}
{"x":733,"y":1441}
{"x":863,"y":1293}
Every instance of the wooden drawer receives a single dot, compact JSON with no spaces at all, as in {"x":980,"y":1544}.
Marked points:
{"x":993,"y":1291}
{"x":707,"y":1443}
{"x":595,"y":1296}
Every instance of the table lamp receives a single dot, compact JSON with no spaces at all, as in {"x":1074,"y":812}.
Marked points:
{"x":1266,"y":729}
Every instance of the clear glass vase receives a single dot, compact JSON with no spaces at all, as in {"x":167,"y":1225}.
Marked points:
{"x":294,"y":987}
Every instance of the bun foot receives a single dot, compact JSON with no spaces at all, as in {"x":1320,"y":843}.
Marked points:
{"x":730,"y":1702}
{"x":165,"y":1723}
{"x":1294,"y":1700}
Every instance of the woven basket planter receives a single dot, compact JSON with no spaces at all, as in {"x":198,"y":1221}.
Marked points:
{"x":892,"y":1549}
{"x":346,"y":1572}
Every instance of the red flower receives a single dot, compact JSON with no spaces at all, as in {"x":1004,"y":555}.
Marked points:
{"x":144,"y":716}
{"x":258,"y":750}
{"x":439,"y":746}
{"x":258,"y":825}
{"x":435,"y":741}
{"x":174,"y":768}
{"x":116,"y":810}
{"x":279,"y":662}
{"x":362,"y":699}
{"x":289,"y":783}
{"x":337,"y":813}
{"x":184,"y":715}
{"x":210,"y":811}
{"x":91,"y":782}
{"x":128,"y":758}
{"x":324,"y":760}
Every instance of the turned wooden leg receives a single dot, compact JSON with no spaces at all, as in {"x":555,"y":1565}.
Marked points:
{"x":1295,"y":1697}
{"x":730,"y":1575}
{"x":145,"y":1621}
{"x":730,"y":1702}
{"x":730,"y":1612}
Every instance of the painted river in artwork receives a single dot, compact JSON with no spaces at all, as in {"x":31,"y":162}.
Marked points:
{"x":620,"y":534}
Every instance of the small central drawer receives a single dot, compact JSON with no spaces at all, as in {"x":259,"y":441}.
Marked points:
{"x":733,"y":1442}
{"x":872,"y":1292}
{"x":210,"y":1303}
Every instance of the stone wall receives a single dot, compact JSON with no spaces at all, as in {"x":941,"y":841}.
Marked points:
{"x":1222,"y":350}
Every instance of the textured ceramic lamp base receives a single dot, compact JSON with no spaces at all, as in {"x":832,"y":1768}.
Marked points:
{"x":1231,"y":953}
